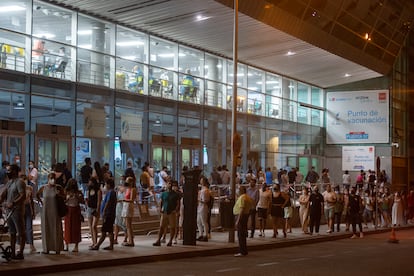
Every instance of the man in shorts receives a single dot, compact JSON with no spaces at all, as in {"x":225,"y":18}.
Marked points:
{"x":170,"y":205}
{"x":329,"y":198}
{"x":15,"y":195}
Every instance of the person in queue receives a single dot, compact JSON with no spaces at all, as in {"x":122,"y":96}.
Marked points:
{"x":51,"y":222}
{"x":241,"y":210}
{"x":14,"y":195}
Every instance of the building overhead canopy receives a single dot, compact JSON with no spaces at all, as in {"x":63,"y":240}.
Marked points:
{"x":322,"y":42}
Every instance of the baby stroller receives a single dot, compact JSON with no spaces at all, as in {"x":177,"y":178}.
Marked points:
{"x":6,"y":251}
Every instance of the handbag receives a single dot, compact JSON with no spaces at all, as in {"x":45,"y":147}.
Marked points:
{"x":62,"y":209}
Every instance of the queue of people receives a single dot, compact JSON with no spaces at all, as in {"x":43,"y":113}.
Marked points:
{"x":114,"y":207}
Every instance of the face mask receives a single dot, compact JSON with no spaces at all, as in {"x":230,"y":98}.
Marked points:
{"x":30,"y":166}
{"x":51,"y":181}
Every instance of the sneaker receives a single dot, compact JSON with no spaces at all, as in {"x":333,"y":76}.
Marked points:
{"x":239,"y":255}
{"x":329,"y":231}
{"x":361,"y":235}
{"x":353,"y":236}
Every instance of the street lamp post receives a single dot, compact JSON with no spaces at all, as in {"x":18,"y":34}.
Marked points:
{"x":233,"y":114}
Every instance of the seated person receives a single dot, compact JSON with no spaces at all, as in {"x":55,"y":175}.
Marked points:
{"x":187,"y":85}
{"x":136,"y":83}
{"x":60,"y":62}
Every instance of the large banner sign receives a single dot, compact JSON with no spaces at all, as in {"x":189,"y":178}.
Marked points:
{"x":356,"y":158}
{"x":357,"y":117}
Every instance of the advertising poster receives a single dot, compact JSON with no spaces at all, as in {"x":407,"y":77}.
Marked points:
{"x":358,"y":117}
{"x":94,"y":124}
{"x":83,"y":149}
{"x":131,"y":127}
{"x":356,"y":158}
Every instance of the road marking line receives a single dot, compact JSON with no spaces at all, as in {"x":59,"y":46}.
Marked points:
{"x":266,"y":264}
{"x":228,"y":269}
{"x":299,"y":259}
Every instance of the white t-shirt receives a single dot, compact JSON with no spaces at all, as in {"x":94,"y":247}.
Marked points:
{"x":163,"y":177}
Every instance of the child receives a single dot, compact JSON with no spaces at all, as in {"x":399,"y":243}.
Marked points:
{"x":108,"y":210}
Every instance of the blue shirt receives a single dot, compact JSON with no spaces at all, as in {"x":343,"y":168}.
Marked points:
{"x":269,"y":178}
{"x":110,"y":200}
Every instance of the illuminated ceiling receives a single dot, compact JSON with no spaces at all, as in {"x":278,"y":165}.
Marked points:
{"x":331,"y":42}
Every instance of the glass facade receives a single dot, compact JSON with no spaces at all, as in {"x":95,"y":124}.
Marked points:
{"x":92,"y":88}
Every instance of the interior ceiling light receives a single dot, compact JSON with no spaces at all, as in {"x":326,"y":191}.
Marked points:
{"x":19,"y":104}
{"x":347,"y":75}
{"x":290,"y":53}
{"x":129,"y":43}
{"x":367,"y":37}
{"x":157,"y":122}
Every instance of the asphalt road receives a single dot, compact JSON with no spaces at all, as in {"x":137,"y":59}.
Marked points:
{"x":371,"y":255}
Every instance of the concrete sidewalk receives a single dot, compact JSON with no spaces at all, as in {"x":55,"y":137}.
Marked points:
{"x":144,"y":251}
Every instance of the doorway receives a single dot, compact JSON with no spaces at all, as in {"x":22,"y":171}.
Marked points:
{"x":53,"y":144}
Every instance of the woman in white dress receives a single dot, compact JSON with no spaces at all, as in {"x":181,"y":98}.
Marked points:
{"x":304,"y":210}
{"x":52,"y":231}
{"x":397,"y":210}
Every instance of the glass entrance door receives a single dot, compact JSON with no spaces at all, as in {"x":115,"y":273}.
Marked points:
{"x":190,"y":157}
{"x":163,"y":156}
{"x":50,"y":151}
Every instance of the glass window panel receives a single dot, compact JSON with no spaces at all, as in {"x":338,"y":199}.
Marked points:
{"x":163,"y":53}
{"x":53,"y":59}
{"x":161,"y":83}
{"x":241,"y":99}
{"x":273,"y":85}
{"x":214,"y":68}
{"x":52,"y":111}
{"x":162,"y":125}
{"x":274,"y":107}
{"x":52,"y":88}
{"x":12,"y":106}
{"x":191,"y":61}
{"x":13,"y":54}
{"x":188,"y":128}
{"x":190,"y":88}
{"x":255,"y":79}
{"x":317,"y":96}
{"x":303,"y":115}
{"x":96,"y":35}
{"x":52,"y":23}
{"x":214,"y":94}
{"x":241,"y":74}
{"x":255,"y":104}
{"x":317,"y":118}
{"x":130,"y":76}
{"x":288,"y":110}
{"x":289,"y":89}
{"x":303,"y":93}
{"x":94,"y":68}
{"x":131,"y":45}
{"x":14,"y":15}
